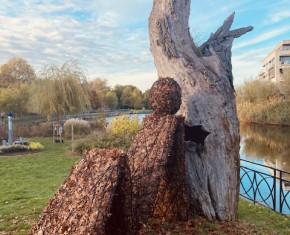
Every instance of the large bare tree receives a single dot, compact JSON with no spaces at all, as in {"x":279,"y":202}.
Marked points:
{"x":208,"y":104}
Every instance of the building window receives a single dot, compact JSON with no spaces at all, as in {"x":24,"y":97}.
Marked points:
{"x":286,"y":47}
{"x":285,"y":59}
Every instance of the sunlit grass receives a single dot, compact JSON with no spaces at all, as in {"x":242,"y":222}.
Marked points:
{"x":266,"y":221}
{"x":27,"y":182}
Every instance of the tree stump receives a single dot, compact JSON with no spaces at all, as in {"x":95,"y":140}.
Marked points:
{"x":208,"y":105}
{"x":157,"y":160}
{"x":94,"y":199}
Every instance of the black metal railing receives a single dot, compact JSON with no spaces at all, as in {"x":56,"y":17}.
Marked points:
{"x":265,"y":185}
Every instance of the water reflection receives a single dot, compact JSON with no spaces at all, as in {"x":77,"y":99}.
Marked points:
{"x":269,"y":145}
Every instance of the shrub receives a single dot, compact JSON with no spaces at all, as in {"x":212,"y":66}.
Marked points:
{"x":119,"y":134}
{"x":257,"y":90}
{"x":272,"y":111}
{"x":16,"y":148}
{"x":261,"y":102}
{"x":124,"y":126}
{"x":35,"y":146}
{"x":105,"y":140}
{"x":33,"y":129}
{"x":81,"y":127}
{"x":99,"y":122}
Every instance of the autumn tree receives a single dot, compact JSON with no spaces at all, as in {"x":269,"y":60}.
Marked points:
{"x":146,"y":99}
{"x":61,"y":90}
{"x":98,"y":89}
{"x":111,"y":100}
{"x":16,"y":70}
{"x":118,"y":89}
{"x":15,"y":99}
{"x":131,"y":97}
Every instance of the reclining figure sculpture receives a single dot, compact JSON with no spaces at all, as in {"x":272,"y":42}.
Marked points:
{"x":109,"y":192}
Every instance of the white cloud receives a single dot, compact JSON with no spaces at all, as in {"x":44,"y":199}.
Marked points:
{"x":263,"y":37}
{"x":143,"y":80}
{"x":279,"y":16}
{"x":109,"y":38}
{"x":94,"y":33}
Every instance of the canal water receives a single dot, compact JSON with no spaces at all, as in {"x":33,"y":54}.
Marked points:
{"x":268,"y":146}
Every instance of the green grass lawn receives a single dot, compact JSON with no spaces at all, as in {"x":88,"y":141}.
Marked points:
{"x":27,"y":182}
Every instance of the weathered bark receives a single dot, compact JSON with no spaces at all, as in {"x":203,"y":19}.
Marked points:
{"x":94,"y":199}
{"x":208,"y":103}
{"x":157,"y":164}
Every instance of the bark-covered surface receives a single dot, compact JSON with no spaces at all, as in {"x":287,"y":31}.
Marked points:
{"x":94,"y":199}
{"x":165,"y":96}
{"x":208,"y":103}
{"x":157,"y":164}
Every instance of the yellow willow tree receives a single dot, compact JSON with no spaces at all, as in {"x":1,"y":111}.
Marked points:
{"x":61,"y":90}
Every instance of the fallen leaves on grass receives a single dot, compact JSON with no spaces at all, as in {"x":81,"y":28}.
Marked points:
{"x":198,"y":226}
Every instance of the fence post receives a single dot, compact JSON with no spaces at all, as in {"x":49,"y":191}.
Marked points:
{"x":72,"y":138}
{"x":274,"y":186}
{"x":281,"y":192}
{"x":255,"y":189}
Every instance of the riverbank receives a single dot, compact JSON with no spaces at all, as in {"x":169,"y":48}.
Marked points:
{"x":28,"y":182}
{"x":273,"y":111}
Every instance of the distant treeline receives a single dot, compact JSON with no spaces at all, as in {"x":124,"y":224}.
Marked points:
{"x":265,"y":102}
{"x":59,"y":90}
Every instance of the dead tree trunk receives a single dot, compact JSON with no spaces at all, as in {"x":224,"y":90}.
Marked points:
{"x":208,"y":103}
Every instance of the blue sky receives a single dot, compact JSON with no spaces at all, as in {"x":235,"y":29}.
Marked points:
{"x":109,"y":38}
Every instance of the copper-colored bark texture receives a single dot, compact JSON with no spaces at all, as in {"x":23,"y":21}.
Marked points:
{"x":165,"y":96}
{"x":157,"y":164}
{"x":94,"y":199}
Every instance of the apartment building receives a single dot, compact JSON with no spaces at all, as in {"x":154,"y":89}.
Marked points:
{"x":276,"y":62}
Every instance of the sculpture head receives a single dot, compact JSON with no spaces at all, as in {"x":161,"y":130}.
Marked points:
{"x":165,"y":96}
